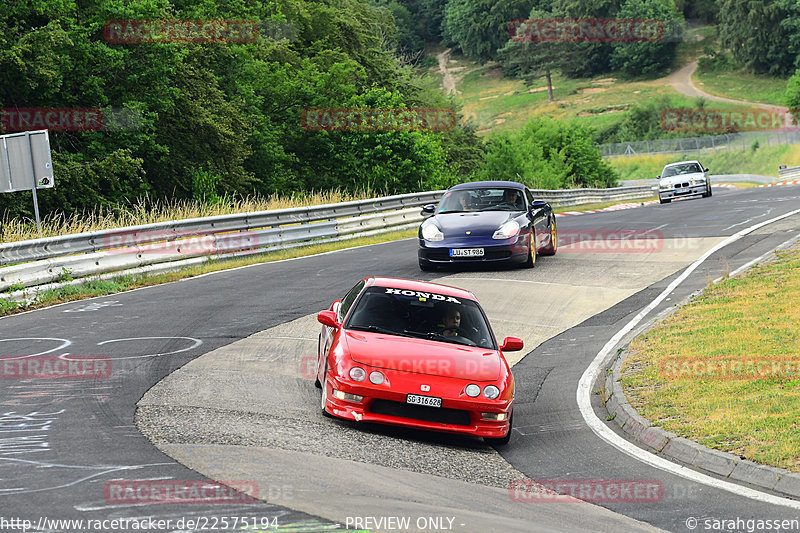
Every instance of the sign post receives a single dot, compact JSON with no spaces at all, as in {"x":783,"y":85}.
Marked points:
{"x":26,"y":164}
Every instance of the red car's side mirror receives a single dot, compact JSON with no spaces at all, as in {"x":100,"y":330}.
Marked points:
{"x":511,"y":344}
{"x":327,"y":318}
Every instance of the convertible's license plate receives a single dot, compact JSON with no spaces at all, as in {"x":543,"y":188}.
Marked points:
{"x":466,"y":252}
{"x":430,"y":401}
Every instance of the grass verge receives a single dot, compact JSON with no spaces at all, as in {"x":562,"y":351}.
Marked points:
{"x":96,"y":287}
{"x":741,"y":85}
{"x":751,"y":317}
{"x":763,"y":160}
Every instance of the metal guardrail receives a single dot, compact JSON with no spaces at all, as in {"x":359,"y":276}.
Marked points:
{"x":791,"y":173}
{"x":52,"y":259}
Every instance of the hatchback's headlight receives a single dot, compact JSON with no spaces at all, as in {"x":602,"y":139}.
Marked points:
{"x":491,"y":392}
{"x":507,"y":230}
{"x":472,"y":390}
{"x":431,"y":232}
{"x":357,"y":374}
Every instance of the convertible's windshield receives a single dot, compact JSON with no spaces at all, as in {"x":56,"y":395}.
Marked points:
{"x":483,"y":199}
{"x":678,"y":170}
{"x":421,"y":314}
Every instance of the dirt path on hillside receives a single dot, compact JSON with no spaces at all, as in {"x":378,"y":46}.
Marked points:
{"x":681,"y":81}
{"x":447,"y":77}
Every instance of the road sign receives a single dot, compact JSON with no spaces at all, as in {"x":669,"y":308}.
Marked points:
{"x":24,"y":156}
{"x":26,"y":165}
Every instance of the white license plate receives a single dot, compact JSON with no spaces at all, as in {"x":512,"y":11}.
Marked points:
{"x":430,"y":401}
{"x":466,"y":252}
{"x":682,"y":191}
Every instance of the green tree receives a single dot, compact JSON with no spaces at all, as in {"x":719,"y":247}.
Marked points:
{"x":761,"y":34}
{"x":635,"y":58}
{"x":480,"y":27}
{"x":547,"y":154}
{"x":792,"y":96}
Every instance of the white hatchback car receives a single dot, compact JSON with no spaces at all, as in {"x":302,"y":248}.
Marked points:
{"x":686,"y":178}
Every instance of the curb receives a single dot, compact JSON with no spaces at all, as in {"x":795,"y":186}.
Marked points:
{"x":681,"y":450}
{"x":795,"y":182}
{"x":618,"y":207}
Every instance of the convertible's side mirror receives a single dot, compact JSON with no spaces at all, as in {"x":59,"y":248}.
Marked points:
{"x":327,"y":318}
{"x":511,"y":344}
{"x":428,"y":210}
{"x":658,"y":177}
{"x":538,"y":204}
{"x":705,"y":170}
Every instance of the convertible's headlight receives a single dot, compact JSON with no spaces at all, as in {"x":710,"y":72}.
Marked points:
{"x":698,"y":181}
{"x":491,"y":392}
{"x":666,"y":186}
{"x":507,"y":230}
{"x":431,"y":232}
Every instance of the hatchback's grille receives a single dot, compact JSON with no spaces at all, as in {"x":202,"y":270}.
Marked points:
{"x":420,"y":412}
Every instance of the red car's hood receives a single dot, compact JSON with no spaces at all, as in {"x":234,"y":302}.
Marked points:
{"x":423,"y":356}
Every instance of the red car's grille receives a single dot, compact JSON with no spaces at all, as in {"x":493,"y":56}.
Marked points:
{"x":420,"y":412}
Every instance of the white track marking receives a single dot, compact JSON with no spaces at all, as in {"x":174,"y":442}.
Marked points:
{"x":64,"y":344}
{"x":589,"y":377}
{"x":197,"y":342}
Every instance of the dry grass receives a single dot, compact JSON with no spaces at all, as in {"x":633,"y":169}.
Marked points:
{"x":751,"y":317}
{"x":147,"y":213}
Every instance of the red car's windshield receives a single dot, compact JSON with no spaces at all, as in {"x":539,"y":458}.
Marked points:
{"x":421,"y":314}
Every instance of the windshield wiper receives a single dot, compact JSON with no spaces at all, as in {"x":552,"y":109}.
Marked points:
{"x":377,"y":329}
{"x":437,"y":337}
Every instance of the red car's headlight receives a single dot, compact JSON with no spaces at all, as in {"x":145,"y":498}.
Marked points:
{"x":358,"y":374}
{"x":472,"y":390}
{"x":491,"y":392}
{"x":376,"y":378}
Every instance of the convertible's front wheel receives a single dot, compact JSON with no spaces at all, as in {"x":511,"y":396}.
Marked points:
{"x":531,"y":261}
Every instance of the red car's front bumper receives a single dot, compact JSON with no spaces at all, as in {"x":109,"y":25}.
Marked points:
{"x":386,"y":404}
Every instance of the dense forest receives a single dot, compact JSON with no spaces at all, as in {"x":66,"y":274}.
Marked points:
{"x":204,"y":120}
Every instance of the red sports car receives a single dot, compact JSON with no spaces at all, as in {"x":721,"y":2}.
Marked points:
{"x":416,"y":354}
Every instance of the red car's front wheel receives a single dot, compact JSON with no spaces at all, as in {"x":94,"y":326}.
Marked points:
{"x":502,"y":440}
{"x":324,"y":400}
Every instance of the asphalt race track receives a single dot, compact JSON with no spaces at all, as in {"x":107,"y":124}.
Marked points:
{"x":245,"y":409}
